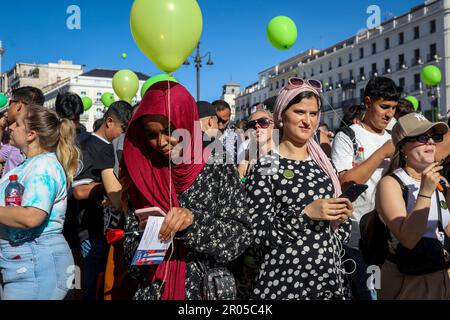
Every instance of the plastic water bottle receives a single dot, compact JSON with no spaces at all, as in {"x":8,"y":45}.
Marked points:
{"x":359,"y":157}
{"x":13,"y":192}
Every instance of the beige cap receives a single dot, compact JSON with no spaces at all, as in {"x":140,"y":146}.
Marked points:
{"x":415,"y":124}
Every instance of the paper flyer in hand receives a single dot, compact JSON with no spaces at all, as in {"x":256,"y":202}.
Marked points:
{"x":151,"y":250}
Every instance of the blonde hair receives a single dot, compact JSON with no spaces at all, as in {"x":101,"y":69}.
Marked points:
{"x":54,"y":135}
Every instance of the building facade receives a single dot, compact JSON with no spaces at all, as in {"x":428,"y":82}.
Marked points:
{"x":399,"y":49}
{"x":229,"y":93}
{"x":39,"y":75}
{"x":91,"y":84}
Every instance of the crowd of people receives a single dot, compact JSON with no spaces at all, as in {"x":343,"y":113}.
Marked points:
{"x":258,"y":208}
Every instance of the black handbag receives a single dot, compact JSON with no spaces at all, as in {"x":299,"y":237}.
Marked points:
{"x":427,"y":256}
{"x":218,"y":283}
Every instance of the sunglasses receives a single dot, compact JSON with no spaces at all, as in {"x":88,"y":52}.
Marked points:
{"x":424,"y":138}
{"x":299,"y":82}
{"x":262,"y":122}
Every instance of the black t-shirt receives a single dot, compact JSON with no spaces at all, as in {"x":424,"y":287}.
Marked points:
{"x":98,"y":155}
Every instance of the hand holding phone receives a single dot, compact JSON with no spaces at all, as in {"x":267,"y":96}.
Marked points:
{"x":354,"y":191}
{"x":143,"y":214}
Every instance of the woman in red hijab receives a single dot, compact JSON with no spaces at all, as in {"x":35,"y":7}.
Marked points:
{"x":206,"y":209}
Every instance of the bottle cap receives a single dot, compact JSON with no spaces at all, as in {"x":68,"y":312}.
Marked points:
{"x":13,"y":177}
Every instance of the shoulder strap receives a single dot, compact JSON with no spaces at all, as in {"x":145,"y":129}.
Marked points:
{"x":438,"y":203}
{"x":402,"y":186}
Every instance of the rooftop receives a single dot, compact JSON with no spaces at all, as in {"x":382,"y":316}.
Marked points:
{"x":108,"y":73}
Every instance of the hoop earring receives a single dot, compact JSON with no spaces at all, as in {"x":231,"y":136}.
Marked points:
{"x":281,"y":124}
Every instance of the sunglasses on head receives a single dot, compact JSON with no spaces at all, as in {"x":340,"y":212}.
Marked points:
{"x":262,"y":122}
{"x":423,"y":138}
{"x":299,"y":82}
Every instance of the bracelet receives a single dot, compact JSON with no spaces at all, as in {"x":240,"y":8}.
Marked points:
{"x":421,"y":195}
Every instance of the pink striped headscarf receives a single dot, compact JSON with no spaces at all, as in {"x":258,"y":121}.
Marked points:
{"x":315,"y":151}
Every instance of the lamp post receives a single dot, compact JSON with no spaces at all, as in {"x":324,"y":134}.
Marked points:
{"x":198,"y":64}
{"x":1,"y":57}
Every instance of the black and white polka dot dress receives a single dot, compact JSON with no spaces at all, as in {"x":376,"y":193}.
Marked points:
{"x":301,"y":258}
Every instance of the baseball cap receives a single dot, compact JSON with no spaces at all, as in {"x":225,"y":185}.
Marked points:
{"x":205,"y":109}
{"x":414,"y":124}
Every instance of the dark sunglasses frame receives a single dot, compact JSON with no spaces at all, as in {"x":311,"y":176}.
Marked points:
{"x":262,"y":122}
{"x":424,"y":138}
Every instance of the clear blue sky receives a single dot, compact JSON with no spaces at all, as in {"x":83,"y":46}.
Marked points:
{"x":233,"y":30}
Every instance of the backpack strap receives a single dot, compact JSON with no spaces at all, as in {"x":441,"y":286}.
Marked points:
{"x":351,"y":134}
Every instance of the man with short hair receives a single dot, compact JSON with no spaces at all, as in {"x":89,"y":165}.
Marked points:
{"x":22,"y":97}
{"x":229,"y":138}
{"x":95,"y":180}
{"x":381,"y":99}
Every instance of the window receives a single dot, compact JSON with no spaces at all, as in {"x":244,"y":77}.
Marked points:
{"x":361,"y":94}
{"x":401,"y":84}
{"x":374,"y":48}
{"x":433,"y":52}
{"x":361,"y":53}
{"x":277,"y":85}
{"x":312,"y":72}
{"x":387,"y":66}
{"x":232,"y":90}
{"x":416,"y":33}
{"x":350,"y":58}
{"x":340,"y":77}
{"x":83,"y":93}
{"x":417,"y":83}
{"x":339,"y":62}
{"x":361,"y":71}
{"x":282,"y":83}
{"x":374,"y":70}
{"x":350,"y":74}
{"x":321,"y":69}
{"x":330,"y":65}
{"x":432,"y":26}
{"x":387,"y":43}
{"x":271,"y":86}
{"x":99,"y":97}
{"x":417,"y":58}
{"x":401,"y":59}
{"x":401,"y":38}
{"x":58,"y":79}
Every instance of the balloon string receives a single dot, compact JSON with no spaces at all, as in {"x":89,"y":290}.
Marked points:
{"x":170,"y":190}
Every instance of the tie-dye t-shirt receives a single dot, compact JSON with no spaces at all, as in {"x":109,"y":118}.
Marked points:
{"x":45,"y":185}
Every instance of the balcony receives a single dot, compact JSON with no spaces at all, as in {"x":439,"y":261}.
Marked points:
{"x":387,"y":70}
{"x":362,"y":77}
{"x":374,"y":74}
{"x":432,"y":57}
{"x":417,"y":61}
{"x":401,"y":66}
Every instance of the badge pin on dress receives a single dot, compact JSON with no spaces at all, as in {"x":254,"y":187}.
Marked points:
{"x":288,"y":174}
{"x":444,"y":205}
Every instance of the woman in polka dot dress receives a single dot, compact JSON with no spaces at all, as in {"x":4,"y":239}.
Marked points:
{"x":297,"y":220}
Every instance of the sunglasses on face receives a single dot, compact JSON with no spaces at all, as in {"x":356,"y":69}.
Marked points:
{"x":299,"y":82}
{"x":220,"y":120}
{"x":424,"y":138}
{"x":262,"y":122}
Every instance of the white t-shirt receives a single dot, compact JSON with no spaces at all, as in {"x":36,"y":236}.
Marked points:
{"x":342,"y":156}
{"x":433,"y":218}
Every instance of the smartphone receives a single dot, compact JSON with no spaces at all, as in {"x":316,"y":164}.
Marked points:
{"x":143,"y":214}
{"x":354,"y":191}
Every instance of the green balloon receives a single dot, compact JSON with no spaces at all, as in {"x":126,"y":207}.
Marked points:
{"x":414,"y":102}
{"x":124,"y":55}
{"x":431,"y":75}
{"x":166,"y":31}
{"x":125,"y":84}
{"x":3,"y":100}
{"x":108,"y":99}
{"x":158,"y":78}
{"x":282,"y":32}
{"x":87,"y":103}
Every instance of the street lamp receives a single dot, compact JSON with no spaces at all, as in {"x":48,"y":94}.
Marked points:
{"x":198,"y":64}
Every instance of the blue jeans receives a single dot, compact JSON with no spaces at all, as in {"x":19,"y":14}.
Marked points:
{"x":38,"y":269}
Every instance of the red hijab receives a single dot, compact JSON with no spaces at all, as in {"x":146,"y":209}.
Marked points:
{"x":149,"y":170}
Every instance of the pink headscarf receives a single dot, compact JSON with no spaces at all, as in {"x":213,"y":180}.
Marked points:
{"x":315,"y":151}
